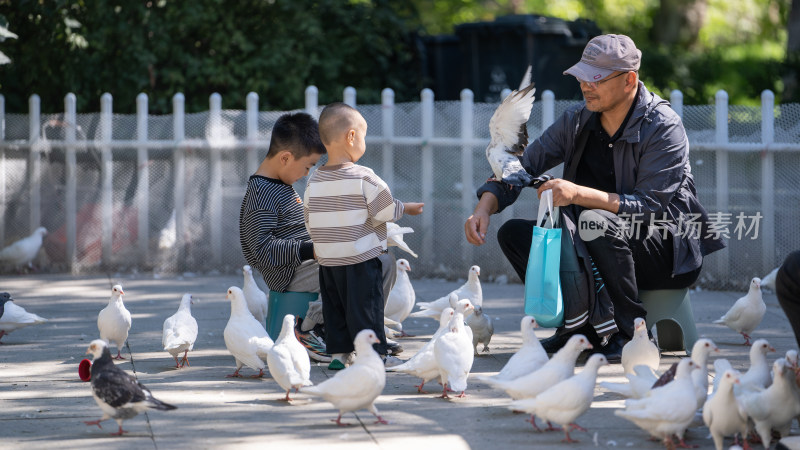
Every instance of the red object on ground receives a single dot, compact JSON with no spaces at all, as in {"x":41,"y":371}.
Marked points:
{"x":85,"y":370}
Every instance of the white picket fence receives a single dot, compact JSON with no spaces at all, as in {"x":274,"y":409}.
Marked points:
{"x":437,"y":123}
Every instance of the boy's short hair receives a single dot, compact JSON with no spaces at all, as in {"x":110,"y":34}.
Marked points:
{"x":335,"y":119}
{"x":297,"y":133}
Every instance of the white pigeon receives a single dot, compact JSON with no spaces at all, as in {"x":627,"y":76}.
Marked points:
{"x":120,"y":396}
{"x":746,"y":314}
{"x":640,"y":350}
{"x":509,"y":134}
{"x":114,"y":321}
{"x":530,"y":357}
{"x":722,"y":412}
{"x":560,"y":367}
{"x":245,"y":338}
{"x":667,"y":410}
{"x":288,"y":360}
{"x":255,"y":297}
{"x":23,"y":251}
{"x":14,"y":317}
{"x":769,"y":279}
{"x":423,"y":363}
{"x":773,"y":407}
{"x":394,"y":237}
{"x":358,"y":385}
{"x":482,"y":329}
{"x":471,"y":290}
{"x":566,"y":401}
{"x":401,"y":298}
{"x":180,"y":332}
{"x":453,"y":352}
{"x":757,"y":376}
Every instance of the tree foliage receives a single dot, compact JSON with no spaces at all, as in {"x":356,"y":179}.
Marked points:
{"x":274,"y":48}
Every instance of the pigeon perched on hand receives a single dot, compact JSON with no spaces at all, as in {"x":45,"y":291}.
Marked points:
{"x":394,"y":237}
{"x":746,"y":314}
{"x":564,"y":402}
{"x":288,"y":360}
{"x":180,"y":332}
{"x":423,"y":363}
{"x":530,"y":357}
{"x":509,"y":134}
{"x":471,"y":290}
{"x":14,"y":317}
{"x":23,"y":251}
{"x":640,"y":350}
{"x":401,"y":298}
{"x":482,"y":329}
{"x":560,"y":367}
{"x":114,"y":321}
{"x":722,"y":412}
{"x":245,"y":338}
{"x":255,"y":297}
{"x":119,"y":395}
{"x":358,"y":385}
{"x":454,"y":353}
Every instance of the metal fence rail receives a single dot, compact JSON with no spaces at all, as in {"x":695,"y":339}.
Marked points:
{"x":162,"y":193}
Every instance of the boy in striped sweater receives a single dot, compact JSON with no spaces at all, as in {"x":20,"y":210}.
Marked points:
{"x":346,"y":209}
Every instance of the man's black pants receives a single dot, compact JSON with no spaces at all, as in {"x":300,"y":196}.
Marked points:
{"x":352,"y":300}
{"x":626,"y":264}
{"x":787,"y":288}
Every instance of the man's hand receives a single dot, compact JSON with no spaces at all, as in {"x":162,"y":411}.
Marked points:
{"x":564,"y":192}
{"x":412,"y":209}
{"x":475,"y":227}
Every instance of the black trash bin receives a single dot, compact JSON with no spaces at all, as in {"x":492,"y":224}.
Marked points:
{"x":494,"y":55}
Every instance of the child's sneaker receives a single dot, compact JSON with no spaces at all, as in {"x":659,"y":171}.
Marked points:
{"x":393,"y":348}
{"x":313,"y":343}
{"x":337,"y":362}
{"x":391,"y":361}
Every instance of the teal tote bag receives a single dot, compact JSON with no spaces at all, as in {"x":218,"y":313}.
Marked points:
{"x":543,"y":298}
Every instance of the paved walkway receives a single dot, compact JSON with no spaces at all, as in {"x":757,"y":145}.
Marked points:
{"x":43,"y":402}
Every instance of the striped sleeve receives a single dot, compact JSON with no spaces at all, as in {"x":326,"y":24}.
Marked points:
{"x":381,"y":206}
{"x":268,"y":248}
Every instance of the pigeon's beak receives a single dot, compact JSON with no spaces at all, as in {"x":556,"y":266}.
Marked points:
{"x":771,"y":348}
{"x":121,"y":292}
{"x":589,"y":346}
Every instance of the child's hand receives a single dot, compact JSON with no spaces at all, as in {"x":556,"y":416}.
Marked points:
{"x":413,"y":209}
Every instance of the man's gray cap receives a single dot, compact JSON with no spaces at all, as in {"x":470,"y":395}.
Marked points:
{"x":605,"y":55}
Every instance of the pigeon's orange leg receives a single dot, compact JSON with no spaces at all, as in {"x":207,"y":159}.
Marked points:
{"x":94,"y":422}
{"x":119,"y":433}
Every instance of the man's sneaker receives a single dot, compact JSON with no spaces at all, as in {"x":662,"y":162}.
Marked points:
{"x":336,"y":365}
{"x":315,"y":346}
{"x":393,"y":348}
{"x":391,"y":361}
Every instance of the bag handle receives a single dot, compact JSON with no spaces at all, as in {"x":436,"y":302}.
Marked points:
{"x":546,"y":210}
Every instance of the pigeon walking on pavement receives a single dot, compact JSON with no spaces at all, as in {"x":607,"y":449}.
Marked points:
{"x":288,"y":360}
{"x":255,"y":297}
{"x":723,"y":414}
{"x":530,"y":357}
{"x":567,"y":400}
{"x":23,"y":251}
{"x":180,"y":332}
{"x":114,"y":321}
{"x":423,"y":363}
{"x":471,"y":290}
{"x":560,"y":367}
{"x":119,"y":395}
{"x":509,"y":134}
{"x":401,"y":298}
{"x":394,"y":237}
{"x":746,"y":314}
{"x":454,"y":353}
{"x":774,"y":407}
{"x":245,"y":338}
{"x":640,"y":350}
{"x":482,"y":329}
{"x":358,"y":385}
{"x":667,"y":410}
{"x":14,"y":317}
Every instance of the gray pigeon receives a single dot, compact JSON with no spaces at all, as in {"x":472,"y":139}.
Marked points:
{"x":482,"y":329}
{"x":509,"y":134}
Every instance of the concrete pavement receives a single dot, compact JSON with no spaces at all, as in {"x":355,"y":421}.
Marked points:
{"x":43,"y":403}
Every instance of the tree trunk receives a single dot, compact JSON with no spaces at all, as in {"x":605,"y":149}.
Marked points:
{"x":791,"y":90}
{"x":678,"y":22}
